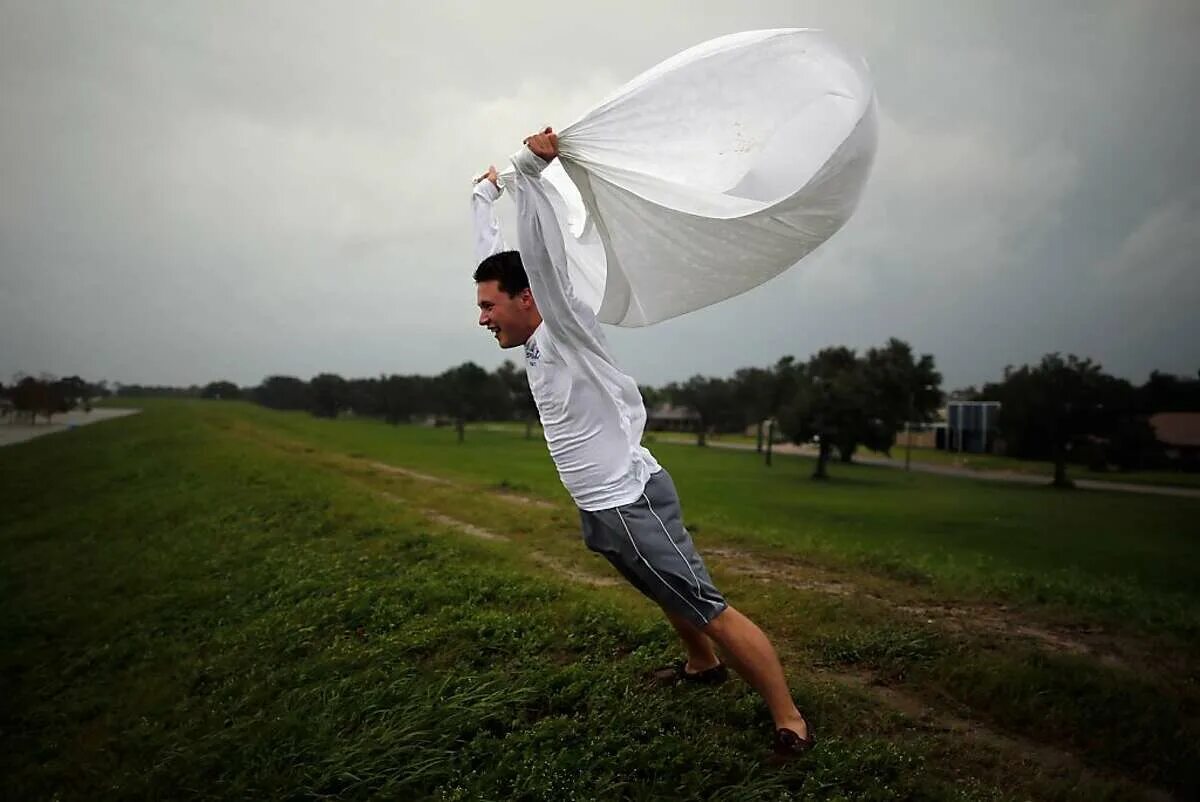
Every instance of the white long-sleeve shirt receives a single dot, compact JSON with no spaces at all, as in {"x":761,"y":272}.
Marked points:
{"x":592,"y":413}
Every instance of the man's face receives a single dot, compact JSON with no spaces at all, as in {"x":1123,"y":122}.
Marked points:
{"x":511,"y":319}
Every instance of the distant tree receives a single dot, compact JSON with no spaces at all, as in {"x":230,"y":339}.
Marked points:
{"x":398,"y":401}
{"x":225,"y":390}
{"x":330,"y":395}
{"x":468,"y":392}
{"x":33,"y":396}
{"x":1050,"y":408}
{"x":24,"y":395}
{"x":64,"y":395}
{"x":785,"y":378}
{"x":520,"y":397}
{"x":713,"y":400}
{"x":365,"y":397}
{"x":831,"y":400}
{"x":752,"y":390}
{"x":900,"y":388}
{"x":1164,"y":392}
{"x":283,"y":392}
{"x":1132,"y":444}
{"x":156,"y":391}
{"x":652,"y":397}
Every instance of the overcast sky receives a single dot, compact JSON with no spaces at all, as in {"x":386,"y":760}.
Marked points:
{"x":193,"y":191}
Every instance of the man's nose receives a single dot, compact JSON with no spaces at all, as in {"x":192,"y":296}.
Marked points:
{"x":483,"y":320}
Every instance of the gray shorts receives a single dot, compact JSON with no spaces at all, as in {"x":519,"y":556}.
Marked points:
{"x":647,"y":542}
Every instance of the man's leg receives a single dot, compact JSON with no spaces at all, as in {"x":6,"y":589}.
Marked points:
{"x":698,"y":645}
{"x":752,"y":656}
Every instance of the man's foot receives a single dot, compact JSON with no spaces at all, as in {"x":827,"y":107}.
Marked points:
{"x":793,"y":740}
{"x":679,"y":672}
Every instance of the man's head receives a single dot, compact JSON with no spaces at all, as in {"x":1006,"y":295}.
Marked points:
{"x":506,"y":305}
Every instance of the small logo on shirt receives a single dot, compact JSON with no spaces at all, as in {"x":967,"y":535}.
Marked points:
{"x":532,"y":353}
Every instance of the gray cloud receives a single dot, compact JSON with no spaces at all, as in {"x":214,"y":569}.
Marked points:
{"x":192,"y":191}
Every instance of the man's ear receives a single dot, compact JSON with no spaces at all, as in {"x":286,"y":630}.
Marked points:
{"x":527,"y":297}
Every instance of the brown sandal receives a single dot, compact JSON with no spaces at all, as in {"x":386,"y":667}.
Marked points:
{"x":677,"y":672}
{"x":788,"y":743}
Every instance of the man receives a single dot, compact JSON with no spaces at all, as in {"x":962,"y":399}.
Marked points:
{"x":592,"y":415}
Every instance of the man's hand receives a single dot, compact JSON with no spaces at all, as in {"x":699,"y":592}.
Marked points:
{"x":490,"y":175}
{"x":544,"y":145}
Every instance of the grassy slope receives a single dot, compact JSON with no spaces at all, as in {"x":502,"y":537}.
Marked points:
{"x":1130,"y":557}
{"x":196,"y":611}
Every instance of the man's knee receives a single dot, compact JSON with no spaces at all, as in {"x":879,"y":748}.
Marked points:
{"x":720,"y":623}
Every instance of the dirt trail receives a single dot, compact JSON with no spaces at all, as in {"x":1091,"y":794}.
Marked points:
{"x":556,"y":565}
{"x":1050,"y":760}
{"x":995,"y":619}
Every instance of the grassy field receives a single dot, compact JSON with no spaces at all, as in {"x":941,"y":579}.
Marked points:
{"x":992,"y":462}
{"x":975,"y":462}
{"x":212,"y":600}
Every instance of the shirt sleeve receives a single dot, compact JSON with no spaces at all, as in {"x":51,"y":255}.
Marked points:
{"x":488,"y":237}
{"x":544,"y":256}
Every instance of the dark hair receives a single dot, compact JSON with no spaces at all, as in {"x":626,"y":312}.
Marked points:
{"x":506,"y":268}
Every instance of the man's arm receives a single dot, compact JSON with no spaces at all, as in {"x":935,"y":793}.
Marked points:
{"x":543,"y":251}
{"x":488,"y":237}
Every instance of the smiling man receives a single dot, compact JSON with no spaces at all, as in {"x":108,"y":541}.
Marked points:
{"x":592,"y":416}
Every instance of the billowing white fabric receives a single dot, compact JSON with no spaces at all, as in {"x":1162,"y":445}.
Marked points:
{"x":712,"y":172}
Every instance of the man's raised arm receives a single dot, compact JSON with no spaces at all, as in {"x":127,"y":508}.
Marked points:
{"x":488,"y":237}
{"x":543,"y":251}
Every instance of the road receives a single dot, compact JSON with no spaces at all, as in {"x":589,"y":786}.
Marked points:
{"x":11,"y":433}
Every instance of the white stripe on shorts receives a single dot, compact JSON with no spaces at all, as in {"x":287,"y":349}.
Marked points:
{"x":686,"y":561}
{"x":651,"y":567}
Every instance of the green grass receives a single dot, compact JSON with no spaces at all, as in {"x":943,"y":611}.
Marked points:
{"x":972,"y":462}
{"x":211,"y":600}
{"x":993,"y":462}
{"x":1132,"y":558}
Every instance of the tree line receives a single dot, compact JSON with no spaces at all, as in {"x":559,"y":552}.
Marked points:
{"x":46,"y":396}
{"x":1064,"y":409}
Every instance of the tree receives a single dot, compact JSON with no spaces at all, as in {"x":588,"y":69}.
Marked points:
{"x":785,"y":379}
{"x":220,"y":390}
{"x":39,"y":397}
{"x":831,"y":400}
{"x":712,"y":399}
{"x":1164,"y":392}
{"x":1049,"y":408}
{"x":468,"y":392}
{"x":283,"y":392}
{"x":402,"y":397}
{"x":753,"y":391}
{"x":330,"y":395}
{"x":651,"y":397}
{"x":520,"y":397}
{"x":26,"y":396}
{"x":901,"y":389}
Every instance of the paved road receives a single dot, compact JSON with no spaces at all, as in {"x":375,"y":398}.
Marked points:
{"x":968,"y":473}
{"x":20,"y":432}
